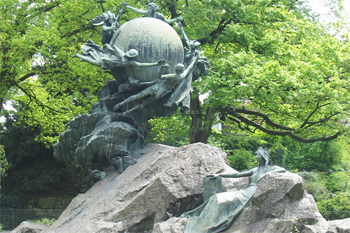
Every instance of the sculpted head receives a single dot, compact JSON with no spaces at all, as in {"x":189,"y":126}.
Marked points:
{"x":262,"y":153}
{"x":109,"y":17}
{"x":132,"y":53}
{"x":179,"y":68}
{"x":152,"y":7}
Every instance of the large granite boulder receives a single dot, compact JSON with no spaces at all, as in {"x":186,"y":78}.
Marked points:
{"x":165,"y":182}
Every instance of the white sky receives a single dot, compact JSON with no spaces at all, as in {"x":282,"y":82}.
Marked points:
{"x":325,"y":13}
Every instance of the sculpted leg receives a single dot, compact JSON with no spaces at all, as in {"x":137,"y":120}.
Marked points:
{"x":140,"y":106}
{"x":146,"y":92}
{"x":87,"y":59}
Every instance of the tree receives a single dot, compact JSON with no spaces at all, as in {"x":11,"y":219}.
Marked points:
{"x":279,"y":70}
{"x":4,"y":165}
{"x":38,"y":39}
{"x":274,"y":69}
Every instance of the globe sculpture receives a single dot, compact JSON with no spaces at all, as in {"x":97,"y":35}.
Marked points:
{"x":154,"y":40}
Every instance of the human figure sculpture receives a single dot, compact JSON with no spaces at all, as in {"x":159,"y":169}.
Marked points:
{"x":151,"y":11}
{"x":162,"y":87}
{"x":109,"y":23}
{"x":190,"y":46}
{"x":182,"y":93}
{"x":221,"y":210}
{"x":109,"y":57}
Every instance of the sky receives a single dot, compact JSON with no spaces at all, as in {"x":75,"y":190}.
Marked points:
{"x":325,"y":13}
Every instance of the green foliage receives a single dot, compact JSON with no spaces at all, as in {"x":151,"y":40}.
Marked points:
{"x":338,"y":181}
{"x":239,"y":149}
{"x":242,"y":159}
{"x":319,"y":156}
{"x":4,"y":165}
{"x":315,"y":184}
{"x":336,"y":207}
{"x":38,"y":74}
{"x":33,"y":168}
{"x":172,"y":131}
{"x":271,"y":58}
{"x":11,"y":202}
{"x":44,"y":221}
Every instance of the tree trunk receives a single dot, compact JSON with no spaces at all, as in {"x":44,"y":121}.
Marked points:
{"x":199,"y":130}
{"x":1,"y":102}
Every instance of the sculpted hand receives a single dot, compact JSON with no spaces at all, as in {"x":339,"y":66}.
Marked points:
{"x":213,"y":175}
{"x":161,"y":62}
{"x":178,"y":19}
{"x":121,"y":9}
{"x":124,"y":4}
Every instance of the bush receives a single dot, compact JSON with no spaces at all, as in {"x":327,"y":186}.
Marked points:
{"x":319,"y":156}
{"x":338,"y":181}
{"x":337,"y":207}
{"x":239,"y":149}
{"x":4,"y":165}
{"x":315,"y":184}
{"x":44,"y":221}
{"x":242,"y":159}
{"x":9,"y":218}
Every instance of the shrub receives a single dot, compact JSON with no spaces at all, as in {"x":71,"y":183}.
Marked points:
{"x":315,"y":184}
{"x":44,"y":221}
{"x":337,"y":207}
{"x":242,"y":159}
{"x":319,"y":156}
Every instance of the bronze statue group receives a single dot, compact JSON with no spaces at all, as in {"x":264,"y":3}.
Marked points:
{"x":220,"y":211}
{"x":109,"y":56}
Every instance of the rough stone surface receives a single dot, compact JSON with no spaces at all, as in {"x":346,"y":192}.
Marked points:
{"x":29,"y":227}
{"x":165,"y":182}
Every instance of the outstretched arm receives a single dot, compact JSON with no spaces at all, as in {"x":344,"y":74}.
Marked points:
{"x":233,"y":175}
{"x":276,"y":169}
{"x":167,"y":76}
{"x":143,"y":12}
{"x":87,"y":59}
{"x":180,"y":26}
{"x":170,"y":21}
{"x":119,"y":15}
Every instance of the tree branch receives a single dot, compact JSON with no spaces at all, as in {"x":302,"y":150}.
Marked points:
{"x":33,"y":97}
{"x":234,"y":111}
{"x":214,"y":34}
{"x":284,"y":131}
{"x":25,"y":77}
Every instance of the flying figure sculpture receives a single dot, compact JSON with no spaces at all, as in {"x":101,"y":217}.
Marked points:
{"x":109,"y":57}
{"x":151,"y":12}
{"x":110,"y":25}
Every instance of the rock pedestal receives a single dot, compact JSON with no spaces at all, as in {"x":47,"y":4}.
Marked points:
{"x":165,"y":182}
